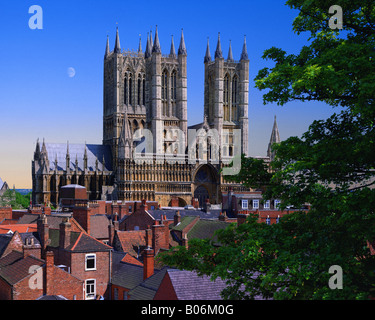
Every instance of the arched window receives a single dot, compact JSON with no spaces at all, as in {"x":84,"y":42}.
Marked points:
{"x":174,"y":92}
{"x":143,"y":91}
{"x":234,"y":98}
{"x":126,"y":89}
{"x":130,"y":90}
{"x":164,"y":92}
{"x":174,"y":86}
{"x":139,"y":88}
{"x":226,"y":98}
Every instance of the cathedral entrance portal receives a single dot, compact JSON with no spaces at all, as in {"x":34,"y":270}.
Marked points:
{"x":206,"y":184}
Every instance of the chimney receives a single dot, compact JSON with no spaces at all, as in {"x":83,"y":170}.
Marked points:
{"x":64,"y":240}
{"x":148,"y":237}
{"x":148,"y":263}
{"x":43,"y":230}
{"x":49,"y":268}
{"x":177,"y":218}
{"x":144,"y":206}
{"x":82,"y":214}
{"x":184,"y":241}
{"x":111,"y":232}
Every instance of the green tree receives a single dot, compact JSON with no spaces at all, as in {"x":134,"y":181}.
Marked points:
{"x":331,"y":167}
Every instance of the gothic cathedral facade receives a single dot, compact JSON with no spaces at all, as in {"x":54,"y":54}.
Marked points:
{"x":148,"y":150}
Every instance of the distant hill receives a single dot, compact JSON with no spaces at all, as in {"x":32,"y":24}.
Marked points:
{"x":24,"y":191}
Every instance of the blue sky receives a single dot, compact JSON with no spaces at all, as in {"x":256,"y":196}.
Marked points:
{"x":38,"y":99}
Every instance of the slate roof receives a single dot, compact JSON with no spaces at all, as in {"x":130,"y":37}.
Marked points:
{"x":99,"y":226}
{"x":189,"y":286}
{"x":146,"y":290}
{"x":53,"y":220}
{"x":205,"y":229}
{"x":202,"y":229}
{"x":124,"y":274}
{"x":79,"y":242}
{"x":214,"y":214}
{"x":14,"y":267}
{"x":4,"y":241}
{"x":94,"y":151}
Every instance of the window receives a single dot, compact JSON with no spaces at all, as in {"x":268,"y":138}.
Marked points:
{"x":115,"y":294}
{"x":130,"y":209}
{"x":255,"y":204}
{"x":143,"y":91}
{"x":267,"y":204}
{"x":277,"y":219}
{"x":276,"y":203}
{"x":226,"y":98}
{"x":90,"y":263}
{"x":139,"y":91}
{"x":244,"y":204}
{"x":90,"y":289}
{"x":125,"y":295}
{"x":130,"y":90}
{"x":234,"y":99}
{"x":164,"y":92}
{"x":126,"y":90}
{"x":268,"y":220}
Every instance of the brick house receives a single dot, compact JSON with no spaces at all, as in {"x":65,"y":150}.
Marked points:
{"x":80,"y":254}
{"x":25,"y":277}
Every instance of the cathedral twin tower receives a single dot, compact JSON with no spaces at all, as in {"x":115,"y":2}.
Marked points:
{"x":146,"y":92}
{"x":149,"y":91}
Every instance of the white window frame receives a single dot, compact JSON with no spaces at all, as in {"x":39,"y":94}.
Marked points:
{"x":255,"y":204}
{"x":90,"y":295}
{"x":267,"y":204}
{"x":268,"y":220}
{"x":243,"y":204}
{"x":276,"y":203}
{"x":87,"y":256}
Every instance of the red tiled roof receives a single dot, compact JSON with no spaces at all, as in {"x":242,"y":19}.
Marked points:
{"x":21,"y":228}
{"x":14,"y":267}
{"x":132,"y":242}
{"x":130,"y":259}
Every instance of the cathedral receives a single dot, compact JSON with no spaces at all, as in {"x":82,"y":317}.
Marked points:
{"x":148,"y":150}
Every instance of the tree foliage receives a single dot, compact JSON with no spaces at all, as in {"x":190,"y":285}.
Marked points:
{"x":330,"y":167}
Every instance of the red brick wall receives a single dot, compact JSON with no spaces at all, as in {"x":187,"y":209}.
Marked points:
{"x":5,"y":213}
{"x":60,"y":282}
{"x":120,"y":292}
{"x":5,"y":290}
{"x":101,"y":274}
{"x":139,"y":218}
{"x":22,"y":290}
{"x":166,"y":290}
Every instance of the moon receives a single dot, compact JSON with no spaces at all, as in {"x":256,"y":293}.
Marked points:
{"x":71,"y":72}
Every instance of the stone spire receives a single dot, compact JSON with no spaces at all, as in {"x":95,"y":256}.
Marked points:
{"x":173,"y":50}
{"x":67,"y":157}
{"x":275,"y":138}
{"x":230,"y":53}
{"x":44,"y":152}
{"x":244,"y":55}
{"x":148,"y":47}
{"x":151,"y":41}
{"x":107,"y":49}
{"x":140,"y":45}
{"x":37,"y":151}
{"x":182,"y":48}
{"x":207,"y":57}
{"x":218,"y":52}
{"x":156,"y":47}
{"x":117,"y":43}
